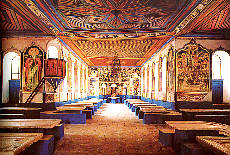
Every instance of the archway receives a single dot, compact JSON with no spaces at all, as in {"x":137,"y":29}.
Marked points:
{"x":220,"y":71}
{"x":11,"y":70}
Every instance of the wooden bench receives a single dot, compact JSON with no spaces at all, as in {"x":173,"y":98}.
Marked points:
{"x":186,"y":131}
{"x":137,"y":106}
{"x":160,"y":118}
{"x":44,"y":146}
{"x":155,"y":109}
{"x":15,"y":143}
{"x":213,"y":118}
{"x":88,"y":113}
{"x":71,"y":109}
{"x":192,"y":148}
{"x":45,"y":126}
{"x":166,"y":136}
{"x":12,"y":116}
{"x":88,"y":106}
{"x":29,"y":113}
{"x":219,"y":145}
{"x":130,"y":104}
{"x":189,"y":114}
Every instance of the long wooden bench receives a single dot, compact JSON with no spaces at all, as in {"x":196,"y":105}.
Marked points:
{"x":44,"y":146}
{"x":166,"y":136}
{"x":219,"y":145}
{"x":186,"y":131}
{"x":189,"y":114}
{"x":29,"y":113}
{"x":160,"y":118}
{"x":155,"y":109}
{"x":45,"y":126}
{"x":15,"y":143}
{"x":213,"y":118}
{"x":138,"y":105}
{"x":12,"y":116}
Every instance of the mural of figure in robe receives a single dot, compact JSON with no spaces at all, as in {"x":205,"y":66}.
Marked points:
{"x":33,"y":64}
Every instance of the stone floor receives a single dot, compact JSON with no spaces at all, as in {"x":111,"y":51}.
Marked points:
{"x":114,"y":129}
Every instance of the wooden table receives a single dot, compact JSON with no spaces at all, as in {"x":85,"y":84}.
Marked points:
{"x":70,"y":108}
{"x":28,"y":112}
{"x":188,"y":114}
{"x":15,"y":143}
{"x":28,"y":123}
{"x":188,"y":130}
{"x":219,"y":145}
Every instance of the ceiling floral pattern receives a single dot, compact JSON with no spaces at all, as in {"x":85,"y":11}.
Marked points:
{"x":117,"y":14}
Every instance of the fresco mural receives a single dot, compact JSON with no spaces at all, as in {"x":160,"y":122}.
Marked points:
{"x":170,"y":74}
{"x":153,"y":81}
{"x":33,"y":65}
{"x":160,"y":74}
{"x":192,"y":72}
{"x":122,"y":14}
{"x":102,"y":75}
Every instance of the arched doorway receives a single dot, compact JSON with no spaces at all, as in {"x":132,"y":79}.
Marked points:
{"x":11,"y":77}
{"x":221,"y":75}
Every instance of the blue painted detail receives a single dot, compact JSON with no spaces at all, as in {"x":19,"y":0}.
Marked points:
{"x":14,"y":89}
{"x":44,"y":146}
{"x":217,"y":91}
{"x":89,"y":97}
{"x":67,"y":118}
{"x":44,"y":12}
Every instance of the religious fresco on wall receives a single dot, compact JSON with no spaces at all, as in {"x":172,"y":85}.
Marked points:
{"x":69,"y":73}
{"x":153,"y":81}
{"x":147,"y":91}
{"x":124,"y":75}
{"x":136,"y":86}
{"x":143,"y":82}
{"x":192,"y":72}
{"x":76,"y":77}
{"x":32,"y":67}
{"x":160,"y":74}
{"x":103,"y":76}
{"x":170,"y":74}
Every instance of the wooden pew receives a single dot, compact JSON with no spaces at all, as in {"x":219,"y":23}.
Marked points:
{"x":186,"y":131}
{"x":155,"y":109}
{"x":219,"y":145}
{"x":225,"y":119}
{"x":30,"y":113}
{"x":189,"y":114}
{"x":138,"y":106}
{"x":45,"y":126}
{"x":12,"y":116}
{"x":68,"y":115}
{"x":160,"y":118}
{"x":88,"y":106}
{"x":15,"y":143}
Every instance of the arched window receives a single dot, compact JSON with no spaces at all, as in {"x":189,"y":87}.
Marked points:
{"x":11,"y":70}
{"x":52,"y":52}
{"x":220,"y":70}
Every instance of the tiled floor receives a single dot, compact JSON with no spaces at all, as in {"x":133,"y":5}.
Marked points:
{"x":113,"y":130}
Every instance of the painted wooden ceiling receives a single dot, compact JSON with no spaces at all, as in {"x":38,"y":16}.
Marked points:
{"x":98,"y":30}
